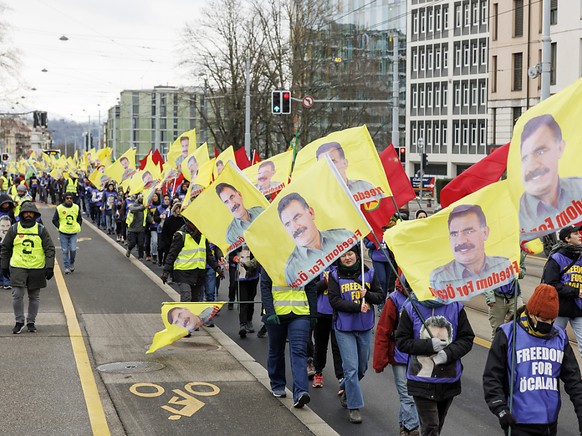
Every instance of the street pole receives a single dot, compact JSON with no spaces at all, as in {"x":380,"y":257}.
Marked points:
{"x":248,"y":110}
{"x":395,"y":96}
{"x":421,"y":151}
{"x":115,"y":131}
{"x":546,"y":50}
{"x":157,"y":132}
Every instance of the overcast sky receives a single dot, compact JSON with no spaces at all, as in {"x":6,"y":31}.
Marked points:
{"x":113,"y":45}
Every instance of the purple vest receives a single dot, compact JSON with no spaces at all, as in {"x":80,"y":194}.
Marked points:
{"x":349,"y":290}
{"x":398,"y":298}
{"x":323,"y":305}
{"x":572,"y":277}
{"x":422,"y":368}
{"x":538,"y":362}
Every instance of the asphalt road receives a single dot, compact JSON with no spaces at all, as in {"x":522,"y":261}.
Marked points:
{"x":118,"y":308}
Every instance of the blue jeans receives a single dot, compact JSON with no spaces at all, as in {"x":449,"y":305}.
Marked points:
{"x":576,"y":324}
{"x":298,"y":331}
{"x":69,"y":249}
{"x":408,"y":417}
{"x":109,"y":221}
{"x":355,"y":350}
{"x":209,"y":286}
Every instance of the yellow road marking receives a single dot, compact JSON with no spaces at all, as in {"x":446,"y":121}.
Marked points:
{"x":482,"y":342}
{"x":94,"y":406}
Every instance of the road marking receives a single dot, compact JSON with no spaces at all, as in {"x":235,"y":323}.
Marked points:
{"x":482,"y":342}
{"x":94,"y":406}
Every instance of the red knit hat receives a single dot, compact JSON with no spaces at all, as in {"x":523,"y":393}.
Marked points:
{"x":544,"y":302}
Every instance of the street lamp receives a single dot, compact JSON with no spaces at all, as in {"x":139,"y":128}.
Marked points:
{"x":420,"y":146}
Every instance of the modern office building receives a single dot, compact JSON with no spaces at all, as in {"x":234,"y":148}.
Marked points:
{"x":446,"y":108}
{"x":152,"y":119}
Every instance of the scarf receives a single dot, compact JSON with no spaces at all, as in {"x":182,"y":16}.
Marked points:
{"x":524,"y":322}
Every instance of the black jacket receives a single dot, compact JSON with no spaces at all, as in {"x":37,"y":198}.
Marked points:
{"x":496,"y":383}
{"x":567,"y":294}
{"x":374,"y":295}
{"x":407,"y":343}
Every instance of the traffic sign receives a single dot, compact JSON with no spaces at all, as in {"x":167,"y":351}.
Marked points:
{"x":308,"y":101}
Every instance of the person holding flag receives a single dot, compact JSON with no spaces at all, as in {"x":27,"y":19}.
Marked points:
{"x":351,"y":295}
{"x":68,"y":220}
{"x":525,"y":361}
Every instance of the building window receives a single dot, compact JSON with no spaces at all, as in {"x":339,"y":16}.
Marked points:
{"x":494,"y":17}
{"x":466,"y":54}
{"x":429,"y":96}
{"x":422,"y":60}
{"x":516,"y":113}
{"x":465,"y":94}
{"x":482,"y":93}
{"x":421,"y":102}
{"x":474,"y":99}
{"x":446,"y":57}
{"x":437,"y":59}
{"x":415,"y":23}
{"x":457,"y":91}
{"x":482,"y":140}
{"x":422,"y":21}
{"x":445,"y":95}
{"x":473,"y":135}
{"x":465,"y":134}
{"x":437,"y":19}
{"x":445,"y":17}
{"x":457,"y":56}
{"x":475,"y":14}
{"x":437,"y":135}
{"x":444,"y":134}
{"x":429,"y":18}
{"x":517,"y":71}
{"x":437,"y":96}
{"x":458,"y":16}
{"x":429,"y":58}
{"x":517,"y":18}
{"x":554,"y":12}
{"x":493,"y":74}
{"x":456,"y":134}
{"x":414,"y":134}
{"x":554,"y":63}
{"x":414,"y":61}
{"x":414,"y":97}
{"x":483,"y":52}
{"x":484,"y":11}
{"x":467,"y":14}
{"x":474,"y":53}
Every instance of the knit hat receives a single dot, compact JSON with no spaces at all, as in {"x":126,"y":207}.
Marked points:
{"x":21,"y":188}
{"x":543,"y":302}
{"x":567,"y":231}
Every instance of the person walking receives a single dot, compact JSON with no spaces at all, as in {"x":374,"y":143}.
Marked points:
{"x":353,"y":318}
{"x":68,"y":220}
{"x":138,"y":220}
{"x":288,"y":314}
{"x":246,"y":281}
{"x":436,"y":337}
{"x":187,"y":258}
{"x":541,"y":353}
{"x":27,"y":258}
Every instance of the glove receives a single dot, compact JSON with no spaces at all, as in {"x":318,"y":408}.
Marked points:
{"x":164,"y":277}
{"x":312,"y":321}
{"x":6,"y":272}
{"x":49,"y":273}
{"x":438,"y":344}
{"x":272,"y":320}
{"x":440,"y":358}
{"x":506,"y":419}
{"x":221,"y":274}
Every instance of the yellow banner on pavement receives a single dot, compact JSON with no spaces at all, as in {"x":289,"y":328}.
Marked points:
{"x":356,"y":159}
{"x":223,"y":211}
{"x":311,"y":223}
{"x":271,"y":175}
{"x":180,"y":319}
{"x":474,"y":247}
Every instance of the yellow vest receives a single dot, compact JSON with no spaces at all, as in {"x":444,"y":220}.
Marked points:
{"x":130,"y":216}
{"x":287,"y":300}
{"x":27,"y":251}
{"x":18,"y":200}
{"x":72,"y":185}
{"x":4,"y":183}
{"x":68,"y":219}
{"x":193,"y":255}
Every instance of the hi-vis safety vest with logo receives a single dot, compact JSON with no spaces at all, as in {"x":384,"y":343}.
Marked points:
{"x":27,"y":251}
{"x":287,"y":300}
{"x":130,"y":216}
{"x":68,"y":219}
{"x":72,"y":185}
{"x":3,"y":183}
{"x":193,"y":255}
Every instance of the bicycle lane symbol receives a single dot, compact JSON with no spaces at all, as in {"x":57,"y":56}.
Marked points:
{"x":190,"y":405}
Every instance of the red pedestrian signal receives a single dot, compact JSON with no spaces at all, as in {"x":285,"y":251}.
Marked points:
{"x":285,"y":102}
{"x":402,"y":154}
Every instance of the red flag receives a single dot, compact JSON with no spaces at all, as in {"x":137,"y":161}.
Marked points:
{"x":216,"y":152}
{"x":158,"y":159}
{"x":142,"y":162}
{"x":488,"y":170}
{"x":256,"y":158}
{"x":242,"y":160}
{"x":379,"y":213}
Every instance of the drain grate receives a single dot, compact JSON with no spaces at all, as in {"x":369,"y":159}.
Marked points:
{"x":130,"y":367}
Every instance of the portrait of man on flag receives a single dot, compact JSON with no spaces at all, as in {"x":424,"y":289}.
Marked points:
{"x":271,"y":175}
{"x":308,"y":228}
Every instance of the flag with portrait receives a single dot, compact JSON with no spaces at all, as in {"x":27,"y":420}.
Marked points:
{"x":184,"y":145}
{"x":271,"y":175}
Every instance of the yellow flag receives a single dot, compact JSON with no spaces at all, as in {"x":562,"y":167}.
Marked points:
{"x":184,"y":145}
{"x":123,"y":168}
{"x":103,"y":157}
{"x":543,"y":166}
{"x":148,"y":178}
{"x":356,"y":158}
{"x":180,"y":319}
{"x":222,"y":159}
{"x":99,"y":178}
{"x":202,"y":181}
{"x":191,"y":165}
{"x":311,"y":223}
{"x":223,"y":211}
{"x":271,"y":175}
{"x":474,"y":247}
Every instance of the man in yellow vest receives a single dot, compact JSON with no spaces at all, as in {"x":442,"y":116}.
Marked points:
{"x":72,"y":187}
{"x":20,"y":197}
{"x":288,"y":314}
{"x":4,"y":183}
{"x":27,"y":258}
{"x":138,"y":220}
{"x":188,"y":255}
{"x":68,"y":220}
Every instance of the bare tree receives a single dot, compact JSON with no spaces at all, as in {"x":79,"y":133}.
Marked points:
{"x":9,"y":57}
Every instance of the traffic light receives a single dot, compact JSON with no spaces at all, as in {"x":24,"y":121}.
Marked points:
{"x":276,"y":103}
{"x":5,"y":156}
{"x":424,"y":161}
{"x":286,"y":102}
{"x":402,"y":153}
{"x":39,"y":119}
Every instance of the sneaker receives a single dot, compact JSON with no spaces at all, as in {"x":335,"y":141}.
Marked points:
{"x":280,"y":393}
{"x":208,"y":324}
{"x":148,"y":258}
{"x":262,"y":332}
{"x":67,"y":271}
{"x":310,"y":368}
{"x":230,"y":306}
{"x":159,"y":263}
{"x":404,"y":432}
{"x":72,"y":268}
{"x":355,"y":416}
{"x":127,"y":252}
{"x":249,"y":327}
{"x":31,"y":327}
{"x":18,"y":328}
{"x":317,"y":381}
{"x":7,"y":287}
{"x":303,"y":399}
{"x":343,"y":400}
{"x":243,"y":331}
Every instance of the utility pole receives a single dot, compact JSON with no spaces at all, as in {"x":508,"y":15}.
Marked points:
{"x":395,"y":91}
{"x":248,"y":110}
{"x":546,"y":50}
{"x":420,"y":147}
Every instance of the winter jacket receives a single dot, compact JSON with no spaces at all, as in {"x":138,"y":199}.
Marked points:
{"x":137,"y":224}
{"x":567,"y":294}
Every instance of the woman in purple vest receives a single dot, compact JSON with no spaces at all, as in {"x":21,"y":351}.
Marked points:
{"x":353,"y":319}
